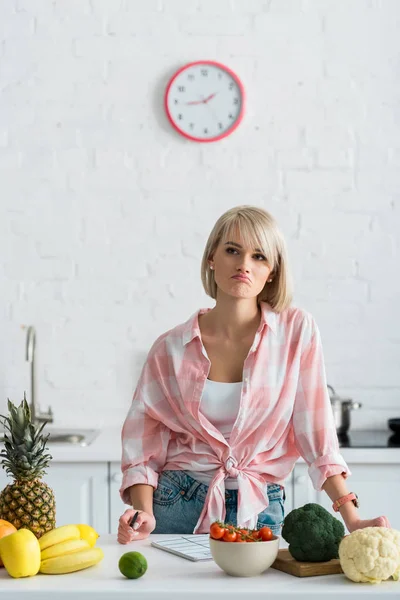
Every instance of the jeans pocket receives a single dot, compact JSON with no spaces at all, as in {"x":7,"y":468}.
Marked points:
{"x":167,"y":491}
{"x":274,"y":514}
{"x":274,"y":490}
{"x":176,"y":504}
{"x":272,"y":517}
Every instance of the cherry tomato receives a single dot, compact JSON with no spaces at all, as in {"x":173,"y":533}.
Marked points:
{"x":239,"y":538}
{"x":216,"y":531}
{"x":229,"y":535}
{"x":265,"y":534}
{"x":255,"y":533}
{"x":243,"y":531}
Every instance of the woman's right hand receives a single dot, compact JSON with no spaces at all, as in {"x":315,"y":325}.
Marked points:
{"x":145,"y":524}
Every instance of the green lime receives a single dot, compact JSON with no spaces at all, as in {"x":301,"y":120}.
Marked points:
{"x":133,"y":565}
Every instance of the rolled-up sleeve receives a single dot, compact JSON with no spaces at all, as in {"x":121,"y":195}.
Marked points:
{"x":313,"y":423}
{"x":144,"y":436}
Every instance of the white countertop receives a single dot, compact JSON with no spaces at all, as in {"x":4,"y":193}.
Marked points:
{"x":107,"y":448}
{"x":172,"y":577}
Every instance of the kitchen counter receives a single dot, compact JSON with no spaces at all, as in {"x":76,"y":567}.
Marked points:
{"x":107,"y":448}
{"x":172,"y":577}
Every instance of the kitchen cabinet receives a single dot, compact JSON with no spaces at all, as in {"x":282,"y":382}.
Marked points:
{"x":81,"y":492}
{"x":377,"y":486}
{"x":117,"y":507}
{"x":289,"y":501}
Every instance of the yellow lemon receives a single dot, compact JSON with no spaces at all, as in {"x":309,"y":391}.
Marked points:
{"x":88,"y":533}
{"x":20,"y":552}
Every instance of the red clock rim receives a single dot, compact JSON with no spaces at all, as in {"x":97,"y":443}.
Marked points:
{"x":232,"y":74}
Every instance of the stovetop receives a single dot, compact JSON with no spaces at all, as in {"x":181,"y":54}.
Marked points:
{"x":373,"y":438}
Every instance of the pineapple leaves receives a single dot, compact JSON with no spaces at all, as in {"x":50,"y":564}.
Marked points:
{"x":24,"y":454}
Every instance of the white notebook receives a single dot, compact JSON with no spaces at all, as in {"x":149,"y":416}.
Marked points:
{"x":193,"y":546}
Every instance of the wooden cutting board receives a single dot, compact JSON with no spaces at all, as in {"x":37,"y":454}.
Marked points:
{"x":285,"y":562}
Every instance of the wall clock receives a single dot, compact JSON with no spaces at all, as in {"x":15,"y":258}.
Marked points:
{"x":204,"y":101}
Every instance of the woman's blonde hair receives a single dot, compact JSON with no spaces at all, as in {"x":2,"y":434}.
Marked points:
{"x":258,"y":229}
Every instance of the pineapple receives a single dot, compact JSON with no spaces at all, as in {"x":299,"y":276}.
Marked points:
{"x":27,"y":502}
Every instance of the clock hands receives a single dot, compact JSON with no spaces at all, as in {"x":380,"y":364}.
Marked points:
{"x":204,"y":100}
{"x":209,"y":97}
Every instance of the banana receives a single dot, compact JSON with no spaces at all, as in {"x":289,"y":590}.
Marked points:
{"x":58,"y":535}
{"x":63,"y":548}
{"x":76,"y":561}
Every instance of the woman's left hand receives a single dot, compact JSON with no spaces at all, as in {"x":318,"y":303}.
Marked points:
{"x":360,"y":523}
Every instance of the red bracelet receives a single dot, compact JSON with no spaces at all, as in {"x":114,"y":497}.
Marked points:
{"x":340,"y":501}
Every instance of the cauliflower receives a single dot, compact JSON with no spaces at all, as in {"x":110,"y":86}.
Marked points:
{"x":371,"y":554}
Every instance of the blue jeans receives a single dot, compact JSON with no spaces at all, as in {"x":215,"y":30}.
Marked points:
{"x":179,"y":500}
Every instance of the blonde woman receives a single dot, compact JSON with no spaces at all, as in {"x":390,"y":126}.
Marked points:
{"x":229,"y":400}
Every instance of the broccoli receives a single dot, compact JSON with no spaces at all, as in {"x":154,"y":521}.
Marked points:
{"x":313,"y":533}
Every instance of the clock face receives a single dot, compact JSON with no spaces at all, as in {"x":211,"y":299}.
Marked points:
{"x":204,"y":101}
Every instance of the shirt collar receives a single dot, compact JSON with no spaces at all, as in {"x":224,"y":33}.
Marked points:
{"x":191,"y":327}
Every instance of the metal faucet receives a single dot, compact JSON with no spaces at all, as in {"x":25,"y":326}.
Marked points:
{"x":36,"y":416}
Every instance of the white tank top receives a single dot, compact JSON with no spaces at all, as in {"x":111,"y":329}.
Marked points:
{"x":220,"y":405}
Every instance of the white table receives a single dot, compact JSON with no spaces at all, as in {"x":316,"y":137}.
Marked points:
{"x":170,"y":577}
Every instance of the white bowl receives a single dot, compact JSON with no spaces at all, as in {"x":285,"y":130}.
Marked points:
{"x":244,"y":559}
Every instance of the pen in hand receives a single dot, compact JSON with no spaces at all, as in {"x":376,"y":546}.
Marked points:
{"x":135,"y":516}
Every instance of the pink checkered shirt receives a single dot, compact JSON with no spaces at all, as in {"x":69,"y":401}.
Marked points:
{"x":285,"y":412}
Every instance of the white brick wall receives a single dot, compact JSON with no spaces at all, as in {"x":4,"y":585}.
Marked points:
{"x":104,"y":210}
